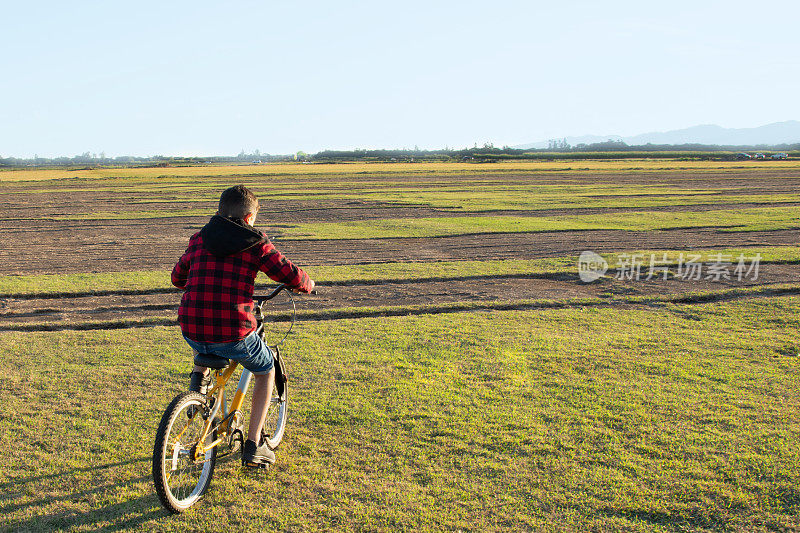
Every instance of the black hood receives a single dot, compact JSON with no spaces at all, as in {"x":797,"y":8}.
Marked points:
{"x":225,"y":236}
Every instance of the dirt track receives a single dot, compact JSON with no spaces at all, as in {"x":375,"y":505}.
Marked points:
{"x":72,"y":246}
{"x":135,"y":245}
{"x":69,"y":246}
{"x":71,"y":310}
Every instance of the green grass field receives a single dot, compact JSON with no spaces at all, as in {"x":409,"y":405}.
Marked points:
{"x":472,"y":192}
{"x":684,"y":417}
{"x":357,"y":169}
{"x":623,"y":411}
{"x":752,"y":219}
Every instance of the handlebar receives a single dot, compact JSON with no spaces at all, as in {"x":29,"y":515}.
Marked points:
{"x":259,"y":310}
{"x":275,"y":292}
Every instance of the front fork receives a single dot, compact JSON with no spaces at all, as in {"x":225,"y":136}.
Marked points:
{"x":280,"y":374}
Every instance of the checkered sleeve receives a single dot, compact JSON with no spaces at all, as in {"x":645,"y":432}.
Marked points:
{"x":280,"y":269}
{"x":181,"y":271}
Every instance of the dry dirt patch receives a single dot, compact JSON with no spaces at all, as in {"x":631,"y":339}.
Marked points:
{"x":75,"y":310}
{"x":136,"y":245}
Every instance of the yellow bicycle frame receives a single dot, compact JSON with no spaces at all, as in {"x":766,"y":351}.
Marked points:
{"x":218,"y":390}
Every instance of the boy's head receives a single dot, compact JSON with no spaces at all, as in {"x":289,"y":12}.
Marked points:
{"x":237,"y":202}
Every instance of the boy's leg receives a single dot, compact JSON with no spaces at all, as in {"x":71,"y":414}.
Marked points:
{"x":198,"y":378}
{"x":253,"y":354}
{"x":198,"y":368}
{"x":262,"y":394}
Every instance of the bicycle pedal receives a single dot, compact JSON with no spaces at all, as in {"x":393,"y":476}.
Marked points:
{"x":256,"y":466}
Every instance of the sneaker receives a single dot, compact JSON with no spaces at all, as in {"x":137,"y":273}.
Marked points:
{"x":199,"y":382}
{"x":257,"y":456}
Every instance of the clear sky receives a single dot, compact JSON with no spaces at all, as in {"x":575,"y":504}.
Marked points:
{"x":213,"y":78}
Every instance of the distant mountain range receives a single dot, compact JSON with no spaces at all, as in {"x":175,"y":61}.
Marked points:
{"x":787,"y":132}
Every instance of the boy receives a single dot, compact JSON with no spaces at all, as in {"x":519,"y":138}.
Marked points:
{"x":218,"y":272}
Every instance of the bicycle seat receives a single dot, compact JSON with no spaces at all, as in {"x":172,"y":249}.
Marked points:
{"x":210,"y":360}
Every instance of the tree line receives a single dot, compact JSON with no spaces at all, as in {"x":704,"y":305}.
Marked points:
{"x":610,"y":149}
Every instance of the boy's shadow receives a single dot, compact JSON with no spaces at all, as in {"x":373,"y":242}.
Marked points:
{"x":124,"y":514}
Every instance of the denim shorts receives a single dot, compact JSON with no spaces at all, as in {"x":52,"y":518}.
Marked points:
{"x":250,"y":352}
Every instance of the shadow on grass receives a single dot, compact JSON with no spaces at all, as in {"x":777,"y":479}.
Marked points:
{"x":5,"y":487}
{"x":697,"y":518}
{"x":46,"y":512}
{"x":127,"y":514}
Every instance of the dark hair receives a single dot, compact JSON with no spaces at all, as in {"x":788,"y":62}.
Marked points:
{"x":237,"y":202}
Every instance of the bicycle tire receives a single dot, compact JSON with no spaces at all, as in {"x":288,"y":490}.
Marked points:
{"x":179,"y":480}
{"x":278,"y":410}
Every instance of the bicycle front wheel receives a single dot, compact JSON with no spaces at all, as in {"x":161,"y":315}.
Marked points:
{"x":277,"y":410}
{"x":180,"y":479}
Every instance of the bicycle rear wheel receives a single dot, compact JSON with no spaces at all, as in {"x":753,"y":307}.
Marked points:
{"x":181,"y":480}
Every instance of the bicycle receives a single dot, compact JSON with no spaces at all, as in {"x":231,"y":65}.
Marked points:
{"x":195,"y":427}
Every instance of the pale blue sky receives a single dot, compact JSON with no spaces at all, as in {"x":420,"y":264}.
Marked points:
{"x":201,"y":77}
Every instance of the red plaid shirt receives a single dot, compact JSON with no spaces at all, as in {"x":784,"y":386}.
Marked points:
{"x":218,"y":303}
